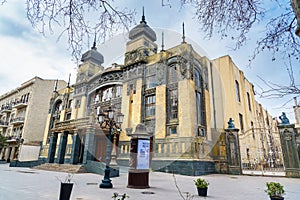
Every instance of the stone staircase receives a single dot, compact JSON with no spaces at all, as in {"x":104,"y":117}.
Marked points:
{"x":68,"y":168}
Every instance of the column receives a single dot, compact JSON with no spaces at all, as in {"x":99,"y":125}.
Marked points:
{"x":75,"y":149}
{"x":52,"y":148}
{"x":233,"y":149}
{"x":89,"y":149}
{"x":62,"y":147}
{"x":289,"y":149}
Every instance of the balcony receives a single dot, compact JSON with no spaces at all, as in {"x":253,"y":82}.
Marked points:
{"x":17,"y":121}
{"x":70,"y":125}
{"x":19,"y":104}
{"x":3,"y":124}
{"x":6,"y":109}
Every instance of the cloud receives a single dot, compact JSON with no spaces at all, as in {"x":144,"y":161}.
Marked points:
{"x":25,"y":53}
{"x":11,"y":28}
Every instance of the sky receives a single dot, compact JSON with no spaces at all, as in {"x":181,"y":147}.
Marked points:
{"x":25,"y":53}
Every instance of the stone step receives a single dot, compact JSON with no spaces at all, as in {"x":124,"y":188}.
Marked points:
{"x":68,"y":168}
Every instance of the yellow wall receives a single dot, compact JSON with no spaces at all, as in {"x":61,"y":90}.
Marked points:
{"x":186,"y":110}
{"x":160,"y":112}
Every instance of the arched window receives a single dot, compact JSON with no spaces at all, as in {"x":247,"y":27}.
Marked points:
{"x":197,"y":78}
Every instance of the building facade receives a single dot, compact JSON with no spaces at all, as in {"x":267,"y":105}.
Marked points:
{"x":23,"y":118}
{"x":184,"y":99}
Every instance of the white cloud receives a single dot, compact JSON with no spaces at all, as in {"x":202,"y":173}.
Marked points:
{"x":25,"y":53}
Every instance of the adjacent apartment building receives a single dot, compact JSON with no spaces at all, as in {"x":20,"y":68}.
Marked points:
{"x":23,"y":113}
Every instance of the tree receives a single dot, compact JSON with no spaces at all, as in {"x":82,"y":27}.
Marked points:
{"x":235,"y":18}
{"x":3,"y":142}
{"x":227,"y":18}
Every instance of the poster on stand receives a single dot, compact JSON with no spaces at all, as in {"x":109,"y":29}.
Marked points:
{"x":143,"y":154}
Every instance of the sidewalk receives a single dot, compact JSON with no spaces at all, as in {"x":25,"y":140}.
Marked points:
{"x":32,"y":184}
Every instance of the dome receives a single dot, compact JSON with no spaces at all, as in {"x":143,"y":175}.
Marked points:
{"x":142,"y":29}
{"x":93,"y":55}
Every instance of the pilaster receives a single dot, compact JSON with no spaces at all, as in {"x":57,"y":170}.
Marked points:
{"x":62,"y":147}
{"x":75,"y":149}
{"x":89,"y":145}
{"x":52,"y":148}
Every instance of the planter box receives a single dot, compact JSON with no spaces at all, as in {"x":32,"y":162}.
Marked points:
{"x":65,"y":191}
{"x":202,"y":192}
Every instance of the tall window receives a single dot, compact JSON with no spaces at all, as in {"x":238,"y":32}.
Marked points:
{"x":118,"y":91}
{"x":150,"y":106}
{"x":237,"y":91}
{"x":173,"y":104}
{"x":241,"y":122}
{"x":252,"y":127}
{"x":197,"y":78}
{"x":199,"y":101}
{"x":199,"y":108}
{"x":173,"y":75}
{"x":249,"y":102}
{"x":151,"y":82}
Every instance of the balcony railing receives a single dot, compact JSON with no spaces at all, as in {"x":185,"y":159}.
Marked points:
{"x":6,"y":109}
{"x":3,"y":124}
{"x":19,"y":104}
{"x":17,"y":120}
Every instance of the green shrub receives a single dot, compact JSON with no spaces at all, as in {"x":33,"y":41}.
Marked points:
{"x":274,"y":189}
{"x":201,"y":183}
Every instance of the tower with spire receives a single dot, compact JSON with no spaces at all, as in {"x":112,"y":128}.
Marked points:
{"x":142,"y":36}
{"x":91,"y":63}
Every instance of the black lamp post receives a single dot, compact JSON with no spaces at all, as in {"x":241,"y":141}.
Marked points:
{"x":112,"y":120}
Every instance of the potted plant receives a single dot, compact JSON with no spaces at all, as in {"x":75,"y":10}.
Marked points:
{"x":202,"y":186}
{"x":117,"y":196}
{"x":275,"y":190}
{"x":66,"y":188}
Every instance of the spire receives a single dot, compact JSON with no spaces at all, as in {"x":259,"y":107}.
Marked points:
{"x":162,"y":41}
{"x":55,"y":86}
{"x":183,"y":33}
{"x":69,"y":80}
{"x":94,"y":44}
{"x":143,"y":17}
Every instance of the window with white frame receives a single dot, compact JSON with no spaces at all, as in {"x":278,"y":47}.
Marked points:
{"x":150,"y":106}
{"x":173,"y":104}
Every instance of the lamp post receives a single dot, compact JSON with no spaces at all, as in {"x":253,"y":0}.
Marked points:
{"x":111,"y":120}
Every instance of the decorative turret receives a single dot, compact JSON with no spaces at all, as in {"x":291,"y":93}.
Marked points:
{"x":142,"y":36}
{"x":142,"y":30}
{"x":93,"y":55}
{"x":91,"y":64}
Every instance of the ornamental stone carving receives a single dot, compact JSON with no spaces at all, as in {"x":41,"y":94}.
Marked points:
{"x":135,"y":56}
{"x":160,"y":74}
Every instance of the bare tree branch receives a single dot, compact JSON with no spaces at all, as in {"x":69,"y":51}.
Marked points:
{"x":275,"y":90}
{"x":232,"y":19}
{"x":223,"y":16}
{"x":235,"y":18}
{"x":76,"y":19}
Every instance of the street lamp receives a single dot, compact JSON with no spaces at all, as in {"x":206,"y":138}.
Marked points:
{"x":109,"y":119}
